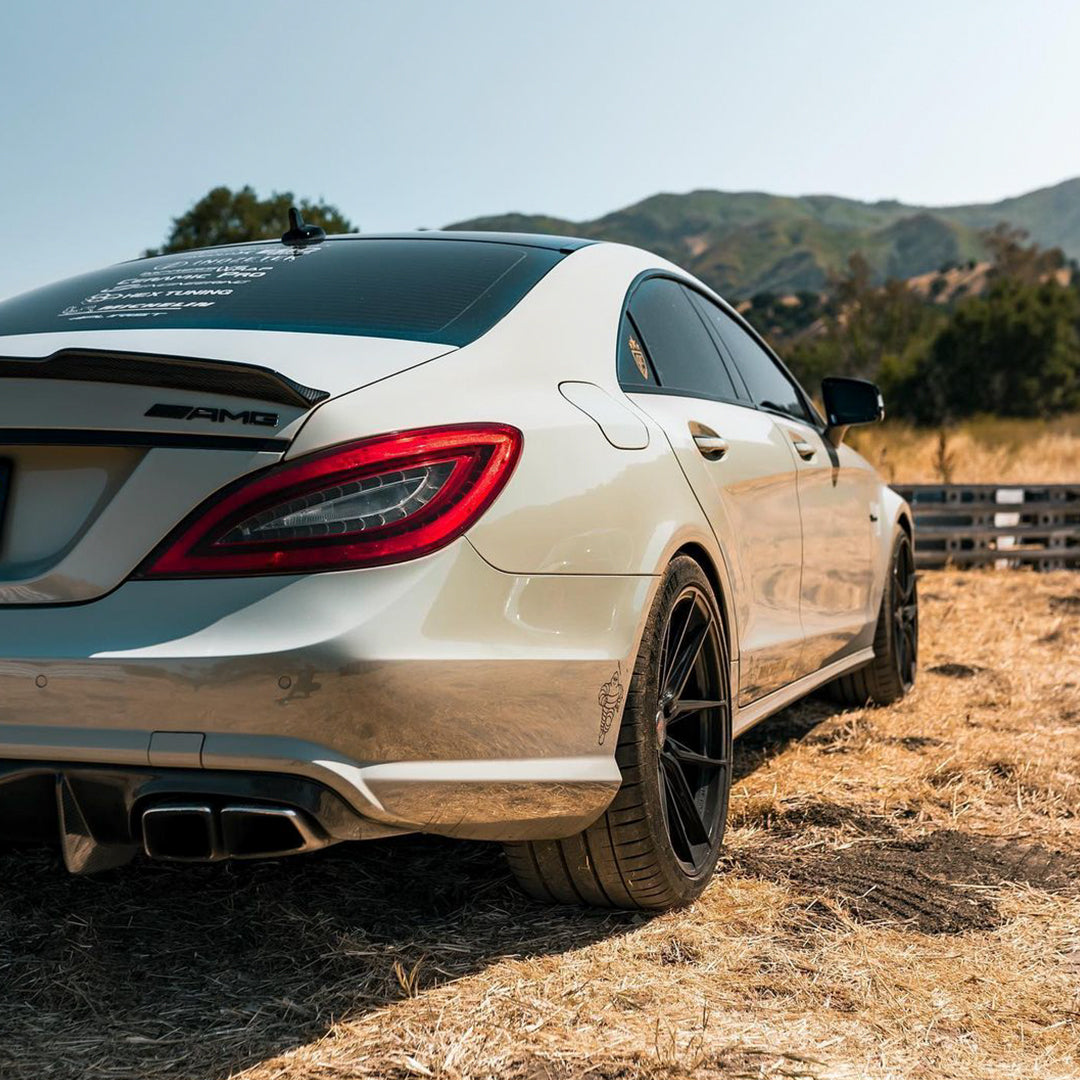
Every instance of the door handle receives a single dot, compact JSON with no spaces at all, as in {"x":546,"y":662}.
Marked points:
{"x":804,"y":449}
{"x":711,"y":446}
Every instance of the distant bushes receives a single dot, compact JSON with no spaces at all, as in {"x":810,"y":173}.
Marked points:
{"x":1012,"y":351}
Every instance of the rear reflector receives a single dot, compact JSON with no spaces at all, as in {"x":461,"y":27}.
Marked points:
{"x":383,"y":500}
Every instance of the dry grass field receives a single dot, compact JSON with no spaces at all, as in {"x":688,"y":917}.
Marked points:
{"x":987,"y":451}
{"x":899,"y":899}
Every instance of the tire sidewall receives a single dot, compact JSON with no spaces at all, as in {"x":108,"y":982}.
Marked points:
{"x":900,"y":538}
{"x":639,"y":721}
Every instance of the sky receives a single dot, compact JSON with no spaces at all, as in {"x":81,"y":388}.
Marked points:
{"x":116,"y":116}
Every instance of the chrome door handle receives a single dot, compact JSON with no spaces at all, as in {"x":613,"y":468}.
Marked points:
{"x":711,"y":446}
{"x":804,"y":449}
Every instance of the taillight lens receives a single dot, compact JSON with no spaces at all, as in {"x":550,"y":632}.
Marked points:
{"x":381,"y":500}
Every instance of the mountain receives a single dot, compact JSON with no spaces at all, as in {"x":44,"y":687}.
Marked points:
{"x":743,"y":243}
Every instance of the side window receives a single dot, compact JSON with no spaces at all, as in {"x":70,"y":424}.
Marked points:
{"x":634,"y":368}
{"x":683,"y":355}
{"x":769,"y":386}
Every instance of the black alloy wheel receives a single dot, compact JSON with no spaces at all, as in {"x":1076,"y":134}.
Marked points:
{"x":693,"y":732}
{"x":891,"y":674}
{"x":657,"y":844}
{"x":905,"y":612}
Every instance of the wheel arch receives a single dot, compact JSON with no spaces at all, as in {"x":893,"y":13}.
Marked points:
{"x":701,"y":555}
{"x":905,"y":523}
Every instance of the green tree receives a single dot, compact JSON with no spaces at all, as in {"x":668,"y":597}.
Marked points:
{"x":223,"y":216}
{"x":1012,"y":258}
{"x":1012,"y":352}
{"x":870,"y":332}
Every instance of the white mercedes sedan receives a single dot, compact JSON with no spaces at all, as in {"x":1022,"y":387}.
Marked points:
{"x":504,"y":537}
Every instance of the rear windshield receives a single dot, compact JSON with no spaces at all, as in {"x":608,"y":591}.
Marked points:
{"x":446,"y":291}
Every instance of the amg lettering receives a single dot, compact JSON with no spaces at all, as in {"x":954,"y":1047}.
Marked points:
{"x":215,"y":416}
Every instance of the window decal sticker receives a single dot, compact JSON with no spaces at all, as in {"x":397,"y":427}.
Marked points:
{"x":198,"y":280}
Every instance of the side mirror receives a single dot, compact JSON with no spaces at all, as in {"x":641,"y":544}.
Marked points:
{"x":849,"y":402}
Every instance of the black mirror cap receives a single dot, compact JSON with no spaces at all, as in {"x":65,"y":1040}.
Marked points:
{"x":851,"y":401}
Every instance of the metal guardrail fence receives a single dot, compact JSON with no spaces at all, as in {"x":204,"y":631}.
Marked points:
{"x":977,"y":524}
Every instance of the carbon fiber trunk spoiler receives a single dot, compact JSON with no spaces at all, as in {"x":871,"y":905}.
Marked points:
{"x":170,"y":372}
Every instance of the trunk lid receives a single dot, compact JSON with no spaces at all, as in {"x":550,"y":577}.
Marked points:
{"x":108,"y":439}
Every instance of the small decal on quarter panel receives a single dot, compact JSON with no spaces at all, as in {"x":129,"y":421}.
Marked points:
{"x":610,"y":698}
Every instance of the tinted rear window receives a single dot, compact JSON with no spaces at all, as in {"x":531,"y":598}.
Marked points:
{"x":447,"y":291}
{"x":683,"y":353}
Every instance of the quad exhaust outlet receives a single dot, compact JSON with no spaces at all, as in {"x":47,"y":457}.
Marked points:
{"x":199,"y":832}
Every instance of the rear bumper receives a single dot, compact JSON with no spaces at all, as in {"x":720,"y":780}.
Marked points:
{"x":440,"y":695}
{"x":95,"y":812}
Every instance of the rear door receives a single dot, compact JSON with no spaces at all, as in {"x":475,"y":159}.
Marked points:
{"x":738,"y":463}
{"x":836,"y":491}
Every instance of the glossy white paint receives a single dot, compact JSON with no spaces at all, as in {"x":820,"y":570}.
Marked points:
{"x":106,"y":512}
{"x":750,"y":499}
{"x":620,"y":426}
{"x":837,"y":492}
{"x":455,"y":693}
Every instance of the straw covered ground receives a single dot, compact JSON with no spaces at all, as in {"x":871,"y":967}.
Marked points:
{"x":899,"y":899}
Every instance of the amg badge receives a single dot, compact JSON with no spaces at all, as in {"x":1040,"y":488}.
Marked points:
{"x":217,"y":416}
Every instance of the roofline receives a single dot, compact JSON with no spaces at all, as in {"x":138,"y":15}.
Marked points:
{"x":547,"y":241}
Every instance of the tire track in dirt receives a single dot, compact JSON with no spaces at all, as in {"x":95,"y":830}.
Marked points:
{"x":943,"y":883}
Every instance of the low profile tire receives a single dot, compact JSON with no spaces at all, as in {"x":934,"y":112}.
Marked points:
{"x":891,"y":674}
{"x":657,"y":844}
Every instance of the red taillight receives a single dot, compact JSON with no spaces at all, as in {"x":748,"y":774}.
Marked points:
{"x":381,"y":500}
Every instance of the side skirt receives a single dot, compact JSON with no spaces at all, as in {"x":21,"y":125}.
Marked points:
{"x":758,"y":710}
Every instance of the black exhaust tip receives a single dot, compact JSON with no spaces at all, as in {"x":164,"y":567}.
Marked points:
{"x":260,"y":832}
{"x":193,"y":832}
{"x":180,"y":832}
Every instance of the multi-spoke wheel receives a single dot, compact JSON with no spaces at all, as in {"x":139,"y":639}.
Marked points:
{"x":658,"y":842}
{"x":891,"y":674}
{"x":693,"y":737}
{"x":905,"y":612}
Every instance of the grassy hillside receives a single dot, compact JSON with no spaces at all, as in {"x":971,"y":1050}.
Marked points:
{"x":1051,"y":215}
{"x":744,"y":243}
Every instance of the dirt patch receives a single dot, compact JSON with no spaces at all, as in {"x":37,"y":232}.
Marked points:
{"x":942,"y":884}
{"x":991,"y":689}
{"x":914,"y":742}
{"x":957,"y":671}
{"x":796,"y":820}
{"x":1069,"y":605}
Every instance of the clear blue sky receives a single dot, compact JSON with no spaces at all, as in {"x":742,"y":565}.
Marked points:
{"x":117,"y":115}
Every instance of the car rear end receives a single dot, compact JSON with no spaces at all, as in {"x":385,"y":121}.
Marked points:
{"x":213,"y":645}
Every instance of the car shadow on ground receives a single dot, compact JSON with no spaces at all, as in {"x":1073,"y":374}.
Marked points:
{"x":192,"y":972}
{"x":773,"y":736}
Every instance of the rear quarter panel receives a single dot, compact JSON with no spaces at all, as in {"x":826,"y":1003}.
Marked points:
{"x":576,"y":504}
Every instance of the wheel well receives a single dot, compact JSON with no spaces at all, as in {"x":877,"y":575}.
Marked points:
{"x":708,"y":568}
